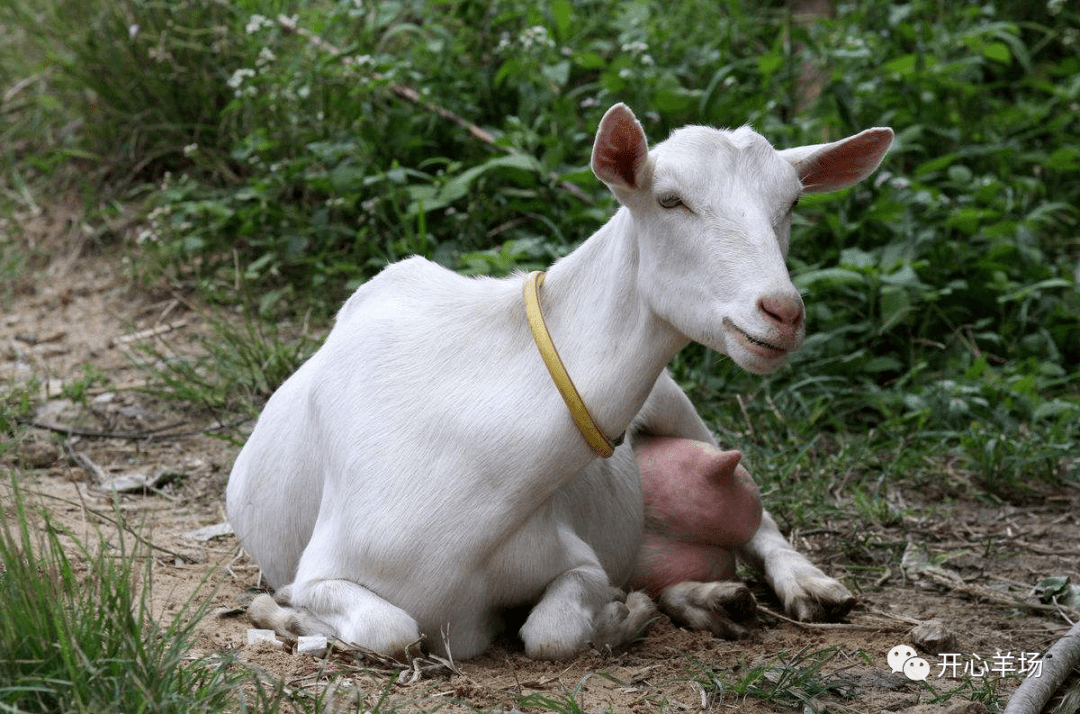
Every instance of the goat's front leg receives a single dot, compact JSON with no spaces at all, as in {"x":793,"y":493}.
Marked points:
{"x":807,"y":593}
{"x":580,"y":607}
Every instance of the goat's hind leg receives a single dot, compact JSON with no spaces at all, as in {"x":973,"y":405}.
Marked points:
{"x":341,"y":609}
{"x":807,"y":593}
{"x":278,"y":614}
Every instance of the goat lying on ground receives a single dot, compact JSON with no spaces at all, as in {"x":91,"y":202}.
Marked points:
{"x":421,"y":472}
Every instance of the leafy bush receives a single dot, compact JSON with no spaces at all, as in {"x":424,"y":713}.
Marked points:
{"x":299,"y":165}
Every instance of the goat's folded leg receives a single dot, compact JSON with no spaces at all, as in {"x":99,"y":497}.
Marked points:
{"x":277,"y":613}
{"x":580,"y":607}
{"x":806,"y":593}
{"x":727,"y":609}
{"x":337,"y":608}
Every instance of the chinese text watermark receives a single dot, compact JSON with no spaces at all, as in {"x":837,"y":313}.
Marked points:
{"x":903,"y":658}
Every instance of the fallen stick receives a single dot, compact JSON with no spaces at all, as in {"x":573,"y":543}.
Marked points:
{"x":87,"y":464}
{"x":1034,"y":692}
{"x":118,"y":523}
{"x":411,"y":95}
{"x":149,"y":332}
{"x":95,"y":434}
{"x":850,"y":626}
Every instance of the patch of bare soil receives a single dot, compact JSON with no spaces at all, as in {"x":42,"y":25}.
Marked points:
{"x":968,"y":564}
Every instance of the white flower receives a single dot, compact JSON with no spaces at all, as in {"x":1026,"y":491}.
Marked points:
{"x":303,"y":92}
{"x":238,"y":76}
{"x":256,"y":23}
{"x":190,"y":150}
{"x":535,"y":35}
{"x":133,"y":30}
{"x":146,"y":236}
{"x":266,"y":56}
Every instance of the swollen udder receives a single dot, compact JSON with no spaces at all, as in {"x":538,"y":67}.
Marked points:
{"x":700,"y":504}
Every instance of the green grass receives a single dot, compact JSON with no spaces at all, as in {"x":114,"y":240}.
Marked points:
{"x":792,"y":681}
{"x":240,"y":364}
{"x":76,"y":631}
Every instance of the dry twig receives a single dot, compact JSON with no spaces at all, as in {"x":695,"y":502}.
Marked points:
{"x":1034,"y":692}
{"x":119,"y":524}
{"x":851,"y":626}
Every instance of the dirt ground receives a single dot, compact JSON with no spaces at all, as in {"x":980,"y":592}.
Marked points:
{"x":970,"y":564}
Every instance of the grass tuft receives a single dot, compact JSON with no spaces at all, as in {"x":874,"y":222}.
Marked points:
{"x":77,"y":632}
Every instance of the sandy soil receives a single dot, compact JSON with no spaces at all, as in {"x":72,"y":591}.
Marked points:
{"x":74,"y":307}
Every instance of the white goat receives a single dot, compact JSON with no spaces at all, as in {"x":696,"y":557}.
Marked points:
{"x":421,"y":472}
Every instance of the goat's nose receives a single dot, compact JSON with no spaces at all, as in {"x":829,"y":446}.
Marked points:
{"x":785,"y":310}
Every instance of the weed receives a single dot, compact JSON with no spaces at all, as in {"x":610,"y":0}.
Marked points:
{"x":238,"y":369}
{"x":793,"y":681}
{"x":77,"y":389}
{"x":16,"y":403}
{"x":77,"y":632}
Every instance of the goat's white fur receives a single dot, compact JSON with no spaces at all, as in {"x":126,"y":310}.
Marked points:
{"x":421,"y":472}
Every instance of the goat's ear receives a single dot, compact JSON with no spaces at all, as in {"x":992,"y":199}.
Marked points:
{"x":620,"y":153}
{"x":843,"y":163}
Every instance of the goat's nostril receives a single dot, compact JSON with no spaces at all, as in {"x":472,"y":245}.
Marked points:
{"x":783,"y":310}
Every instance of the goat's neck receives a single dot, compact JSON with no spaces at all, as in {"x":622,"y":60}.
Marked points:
{"x":612,"y":344}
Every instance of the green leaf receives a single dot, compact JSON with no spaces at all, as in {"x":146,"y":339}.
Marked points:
{"x":839,"y":275}
{"x":998,"y":52}
{"x":905,"y":277}
{"x":1063,"y":159}
{"x":425,"y":198}
{"x":902,"y":65}
{"x":934,"y":164}
{"x":589,"y":60}
{"x":558,"y":74}
{"x":564,"y":13}
{"x":895,"y":305}
{"x":768,"y":64}
{"x":857,"y":258}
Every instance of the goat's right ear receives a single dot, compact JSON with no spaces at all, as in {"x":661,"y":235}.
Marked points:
{"x":620,"y":155}
{"x":843,"y":163}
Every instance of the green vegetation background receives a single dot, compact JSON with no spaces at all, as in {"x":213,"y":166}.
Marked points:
{"x":283,"y":168}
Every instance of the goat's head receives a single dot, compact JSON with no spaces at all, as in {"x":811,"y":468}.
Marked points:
{"x":712,"y":219}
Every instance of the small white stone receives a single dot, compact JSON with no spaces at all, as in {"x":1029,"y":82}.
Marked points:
{"x":314,"y":645}
{"x":254,"y":637}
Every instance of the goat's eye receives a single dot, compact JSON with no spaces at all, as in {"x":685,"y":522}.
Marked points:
{"x":669,"y":200}
{"x":794,"y":205}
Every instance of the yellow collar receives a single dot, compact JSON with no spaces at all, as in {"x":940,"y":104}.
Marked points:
{"x":596,"y":439}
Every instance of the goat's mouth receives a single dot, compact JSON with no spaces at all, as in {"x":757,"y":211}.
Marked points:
{"x":761,"y":348}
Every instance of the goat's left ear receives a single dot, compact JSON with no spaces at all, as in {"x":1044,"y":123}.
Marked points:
{"x":839,"y":164}
{"x":620,"y":156}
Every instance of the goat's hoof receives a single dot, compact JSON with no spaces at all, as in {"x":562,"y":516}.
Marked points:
{"x":726,"y":609}
{"x":620,"y":622}
{"x":826,"y":600}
